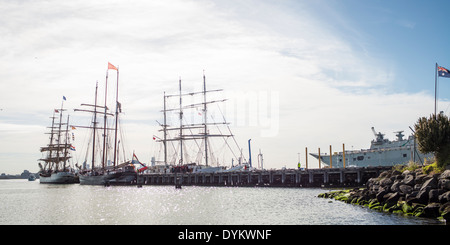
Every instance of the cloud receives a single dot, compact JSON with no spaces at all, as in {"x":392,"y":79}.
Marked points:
{"x":326,"y":91}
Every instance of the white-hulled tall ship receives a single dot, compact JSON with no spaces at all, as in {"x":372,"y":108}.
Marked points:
{"x":194,"y":125}
{"x":104,"y":168}
{"x":382,"y":152}
{"x":56,"y":168}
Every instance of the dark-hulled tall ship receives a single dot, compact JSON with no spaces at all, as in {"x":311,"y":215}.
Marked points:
{"x":104,"y":168}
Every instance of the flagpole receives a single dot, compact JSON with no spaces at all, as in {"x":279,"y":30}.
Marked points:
{"x":117,"y":115}
{"x":435,"y":90}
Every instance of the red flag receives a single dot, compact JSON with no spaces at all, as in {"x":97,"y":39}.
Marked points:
{"x":111,"y":66}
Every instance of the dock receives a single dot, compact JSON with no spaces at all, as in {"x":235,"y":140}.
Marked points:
{"x":324,"y":177}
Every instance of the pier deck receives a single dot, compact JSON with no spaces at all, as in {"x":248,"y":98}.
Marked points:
{"x":326,"y":177}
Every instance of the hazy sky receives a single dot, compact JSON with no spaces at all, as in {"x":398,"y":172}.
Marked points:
{"x":321,"y":72}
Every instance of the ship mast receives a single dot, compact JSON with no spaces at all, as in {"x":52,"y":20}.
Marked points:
{"x":59,"y":137}
{"x":165,"y":131}
{"x":205,"y":118}
{"x":181,"y":127}
{"x":65,"y":143}
{"x":94,"y":127}
{"x":116,"y":117}
{"x":104,"y":123}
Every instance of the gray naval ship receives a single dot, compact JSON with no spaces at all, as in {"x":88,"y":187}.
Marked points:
{"x":382,"y":152}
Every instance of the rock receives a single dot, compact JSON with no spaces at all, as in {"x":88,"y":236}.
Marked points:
{"x":406,"y":172}
{"x":444,"y":198}
{"x":433,"y":195}
{"x":417,"y":187}
{"x":385,"y":174}
{"x":386,"y":182}
{"x":432,"y":183}
{"x":445,"y":208}
{"x":422,"y":196}
{"x":391,"y":198}
{"x":396,"y":172}
{"x":405,"y":189}
{"x":395,"y":186}
{"x":380,"y":196}
{"x":412,"y":199}
{"x":431,"y":210}
{"x":409,"y":180}
{"x":420,"y":178}
{"x":444,"y":184}
{"x":445,"y":175}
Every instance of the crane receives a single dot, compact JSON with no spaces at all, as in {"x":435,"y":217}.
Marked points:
{"x":379,"y":136}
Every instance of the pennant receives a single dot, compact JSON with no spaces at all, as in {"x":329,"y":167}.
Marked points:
{"x":111,"y":66}
{"x":142,"y":169}
{"x":443,"y":72}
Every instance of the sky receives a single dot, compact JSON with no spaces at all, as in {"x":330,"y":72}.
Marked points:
{"x":296,"y":73}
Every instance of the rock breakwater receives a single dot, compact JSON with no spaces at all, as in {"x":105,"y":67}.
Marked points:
{"x":409,"y":192}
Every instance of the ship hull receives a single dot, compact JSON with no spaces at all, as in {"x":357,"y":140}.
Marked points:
{"x":366,"y":158}
{"x":120,"y":178}
{"x":58,"y":178}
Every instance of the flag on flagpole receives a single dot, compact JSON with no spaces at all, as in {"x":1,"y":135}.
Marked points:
{"x":72,"y":148}
{"x":64,"y":97}
{"x":443,"y":72}
{"x":111,"y":66}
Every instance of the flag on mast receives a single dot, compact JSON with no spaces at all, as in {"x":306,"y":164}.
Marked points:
{"x":111,"y":66}
{"x":443,"y":72}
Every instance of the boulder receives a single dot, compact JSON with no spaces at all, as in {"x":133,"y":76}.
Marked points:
{"x":405,"y":189}
{"x":391,"y":198}
{"x":445,"y":175}
{"x":422,"y":196}
{"x":431,"y":183}
{"x":386,"y":182}
{"x":380,"y":195}
{"x":395,"y":186}
{"x":420,"y":178}
{"x":444,"y":198}
{"x":431,"y":210}
{"x":444,"y":184}
{"x":385,"y":174}
{"x":433,"y":196}
{"x":409,"y":180}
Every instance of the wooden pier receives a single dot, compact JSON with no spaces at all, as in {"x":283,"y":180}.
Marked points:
{"x":326,"y":177}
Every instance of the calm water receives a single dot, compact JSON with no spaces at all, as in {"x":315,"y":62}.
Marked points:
{"x":24,"y":202}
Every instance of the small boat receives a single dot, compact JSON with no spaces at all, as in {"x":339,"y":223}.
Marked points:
{"x":31,"y":177}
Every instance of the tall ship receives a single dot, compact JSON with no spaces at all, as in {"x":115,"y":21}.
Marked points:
{"x":382,"y":152}
{"x":198,"y":138}
{"x":56,"y":168}
{"x":104,"y":145}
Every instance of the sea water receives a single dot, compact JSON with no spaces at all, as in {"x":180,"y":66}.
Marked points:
{"x":29,"y":202}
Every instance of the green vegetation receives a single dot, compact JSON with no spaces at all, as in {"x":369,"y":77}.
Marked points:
{"x":433,"y":135}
